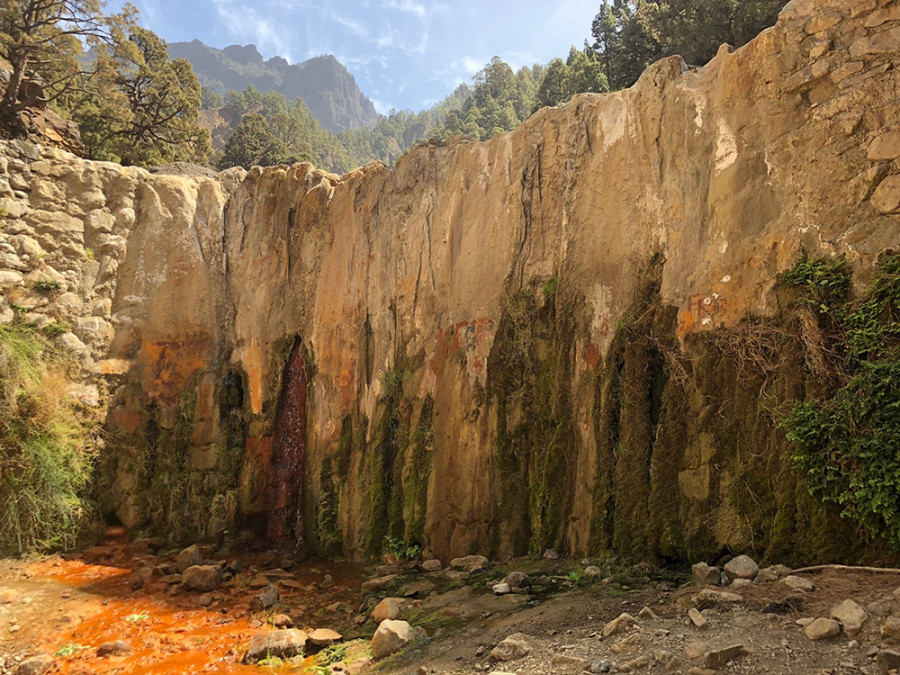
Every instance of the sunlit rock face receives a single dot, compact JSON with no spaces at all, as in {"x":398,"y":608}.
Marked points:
{"x":495,"y":347}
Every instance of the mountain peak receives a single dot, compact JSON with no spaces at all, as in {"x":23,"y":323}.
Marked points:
{"x":243,"y":53}
{"x":323,"y":82}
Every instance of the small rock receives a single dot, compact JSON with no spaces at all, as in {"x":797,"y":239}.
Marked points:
{"x":8,"y":596}
{"x":699,"y":621}
{"x":551,"y":554}
{"x":822,"y":629}
{"x":390,"y":638}
{"x":388,"y":609}
{"x":284,"y":644}
{"x":378,"y":583}
{"x":206,"y":599}
{"x":717,"y":658}
{"x":742,"y":567}
{"x":113,"y":648}
{"x":501,"y":588}
{"x":710,"y":598}
{"x":324,"y":637}
{"x":741,"y":583}
{"x":878,"y":608}
{"x":766,"y":575}
{"x":627,"y":644}
{"x":282,"y":621}
{"x":695,"y":650}
{"x":796,"y":583}
{"x":265,"y":600}
{"x":202,"y":577}
{"x":704,"y":575}
{"x":804,"y":621}
{"x":188,"y":558}
{"x":470,"y":564}
{"x":592,"y":573}
{"x":701,"y":671}
{"x":619,"y":625}
{"x":891,"y":628}
{"x":514,"y":647}
{"x":601,"y":666}
{"x":568,"y":665}
{"x":887,"y":661}
{"x":647,"y":613}
{"x":432,"y":565}
{"x":518,"y":580}
{"x":34,"y":665}
{"x":850,"y":615}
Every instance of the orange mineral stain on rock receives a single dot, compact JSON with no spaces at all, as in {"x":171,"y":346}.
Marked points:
{"x":168,"y":364}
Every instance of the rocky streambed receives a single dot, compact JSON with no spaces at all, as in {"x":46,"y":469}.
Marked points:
{"x":131,"y":607}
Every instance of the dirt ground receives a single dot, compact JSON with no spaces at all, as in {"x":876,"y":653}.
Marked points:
{"x":67,"y":608}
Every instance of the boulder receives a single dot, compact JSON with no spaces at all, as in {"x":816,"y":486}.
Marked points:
{"x":850,"y":615}
{"x":189,"y":557}
{"x":741,"y":567}
{"x":389,"y":608}
{"x":704,"y":575}
{"x":470,"y":564}
{"x":822,"y":629}
{"x":284,"y":644}
{"x":202,"y":578}
{"x":501,"y":588}
{"x":390,"y":638}
{"x":514,"y":647}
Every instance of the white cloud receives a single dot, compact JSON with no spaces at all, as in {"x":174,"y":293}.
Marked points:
{"x":409,"y":6}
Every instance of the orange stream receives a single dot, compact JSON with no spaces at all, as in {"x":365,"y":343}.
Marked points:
{"x":176,"y":637}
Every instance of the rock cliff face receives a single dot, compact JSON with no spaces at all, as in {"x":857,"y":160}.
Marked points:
{"x":496,"y":347}
{"x":322,"y":82}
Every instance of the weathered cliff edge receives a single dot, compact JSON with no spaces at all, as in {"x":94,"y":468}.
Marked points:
{"x":496,"y":346}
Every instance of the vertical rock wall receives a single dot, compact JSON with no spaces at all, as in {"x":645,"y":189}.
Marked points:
{"x":504,"y":345}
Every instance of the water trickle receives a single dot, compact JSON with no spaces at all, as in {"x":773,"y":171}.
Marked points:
{"x":285,"y":526}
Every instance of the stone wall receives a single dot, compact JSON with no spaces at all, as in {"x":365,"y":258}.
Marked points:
{"x":505,"y":345}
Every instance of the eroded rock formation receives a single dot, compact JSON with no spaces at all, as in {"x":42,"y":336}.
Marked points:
{"x":506,"y":345}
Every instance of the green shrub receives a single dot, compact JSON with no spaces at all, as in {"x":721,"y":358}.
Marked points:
{"x":46,"y":448}
{"x":47,"y":285}
{"x":847,"y":441}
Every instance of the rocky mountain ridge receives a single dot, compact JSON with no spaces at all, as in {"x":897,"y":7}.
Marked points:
{"x":322,"y":82}
{"x":495,"y":347}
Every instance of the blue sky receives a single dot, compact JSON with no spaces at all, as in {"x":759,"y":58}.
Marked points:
{"x":403,"y":53}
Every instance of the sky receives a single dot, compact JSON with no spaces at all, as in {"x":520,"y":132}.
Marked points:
{"x":404,"y":54}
